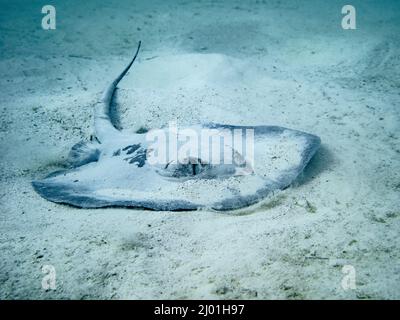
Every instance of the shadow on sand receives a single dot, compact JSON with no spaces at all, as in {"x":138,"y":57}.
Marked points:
{"x":323,"y":160}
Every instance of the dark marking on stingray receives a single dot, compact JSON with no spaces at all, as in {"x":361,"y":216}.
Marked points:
{"x":117,"y":153}
{"x":139,"y":158}
{"x":142,"y":130}
{"x":131,"y":149}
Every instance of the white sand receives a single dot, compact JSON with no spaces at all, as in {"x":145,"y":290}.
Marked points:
{"x":275,"y":62}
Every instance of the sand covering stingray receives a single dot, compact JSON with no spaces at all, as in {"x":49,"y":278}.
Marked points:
{"x":116,"y":169}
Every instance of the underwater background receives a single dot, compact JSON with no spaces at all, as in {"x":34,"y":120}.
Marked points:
{"x":287,"y":63}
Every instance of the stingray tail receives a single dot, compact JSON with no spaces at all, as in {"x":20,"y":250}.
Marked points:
{"x":104,"y":127}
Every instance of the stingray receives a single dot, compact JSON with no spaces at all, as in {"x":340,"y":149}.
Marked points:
{"x":117,"y":168}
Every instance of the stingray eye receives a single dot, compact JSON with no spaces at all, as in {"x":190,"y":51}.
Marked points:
{"x":188,"y":168}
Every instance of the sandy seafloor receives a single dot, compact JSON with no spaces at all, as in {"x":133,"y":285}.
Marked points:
{"x":285,"y":63}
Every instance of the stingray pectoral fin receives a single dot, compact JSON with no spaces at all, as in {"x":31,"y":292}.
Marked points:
{"x":83,"y":152}
{"x":67,"y":194}
{"x":81,"y":197}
